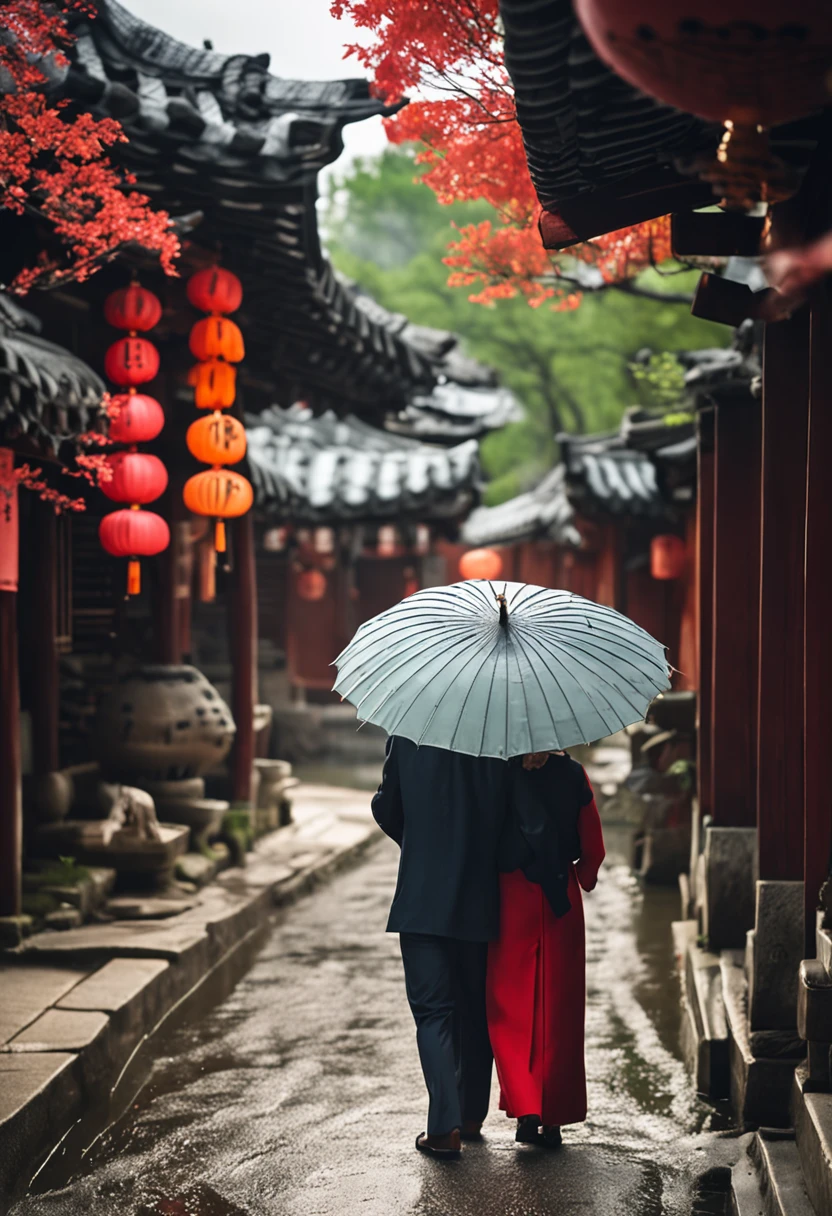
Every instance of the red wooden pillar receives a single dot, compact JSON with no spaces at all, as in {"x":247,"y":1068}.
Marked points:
{"x":780,"y":711}
{"x":242,"y":640}
{"x":704,"y":598}
{"x":817,"y":634}
{"x":11,"y":810}
{"x":43,"y":633}
{"x":685,"y":609}
{"x":736,"y":607}
{"x":608,"y":589}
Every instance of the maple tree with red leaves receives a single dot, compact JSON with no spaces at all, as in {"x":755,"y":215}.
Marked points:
{"x":55,"y":163}
{"x":471,"y":142}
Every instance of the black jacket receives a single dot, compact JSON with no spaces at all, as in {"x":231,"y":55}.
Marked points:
{"x":540,"y":836}
{"x":447,"y":811}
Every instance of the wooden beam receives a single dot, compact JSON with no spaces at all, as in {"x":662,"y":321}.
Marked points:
{"x":44,"y":692}
{"x":242,"y":640}
{"x":780,"y":705}
{"x":817,"y":638}
{"x":735,"y":612}
{"x":11,"y":810}
{"x":704,"y":597}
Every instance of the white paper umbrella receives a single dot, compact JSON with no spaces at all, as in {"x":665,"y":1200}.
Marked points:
{"x":501,"y":669}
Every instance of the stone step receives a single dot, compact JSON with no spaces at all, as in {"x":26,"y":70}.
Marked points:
{"x":708,"y":1047}
{"x":760,"y":1087}
{"x":813,"y":1123}
{"x":781,"y":1174}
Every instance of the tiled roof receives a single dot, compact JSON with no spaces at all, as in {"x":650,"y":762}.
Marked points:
{"x":601,"y":154}
{"x":46,"y":393}
{"x":327,"y":469}
{"x":219,"y":134}
{"x":542,"y":513}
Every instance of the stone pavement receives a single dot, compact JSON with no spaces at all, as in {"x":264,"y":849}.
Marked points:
{"x":300,"y":1093}
{"x":75,"y":1006}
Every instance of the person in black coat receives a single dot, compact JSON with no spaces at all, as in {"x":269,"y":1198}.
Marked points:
{"x":447,"y":811}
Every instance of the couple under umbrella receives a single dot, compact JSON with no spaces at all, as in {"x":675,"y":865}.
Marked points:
{"x":481,"y":686}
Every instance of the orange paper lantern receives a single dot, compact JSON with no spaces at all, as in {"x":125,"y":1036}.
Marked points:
{"x":217,"y":439}
{"x":481,"y":564}
{"x":219,"y":493}
{"x":215,"y":290}
{"x":311,"y":585}
{"x":217,"y":338}
{"x":214,"y":384}
{"x":134,"y":308}
{"x":667,"y":557}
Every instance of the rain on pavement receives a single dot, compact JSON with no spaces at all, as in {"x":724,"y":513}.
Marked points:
{"x":300,"y":1093}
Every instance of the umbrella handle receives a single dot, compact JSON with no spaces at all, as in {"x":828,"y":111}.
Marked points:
{"x":501,"y":600}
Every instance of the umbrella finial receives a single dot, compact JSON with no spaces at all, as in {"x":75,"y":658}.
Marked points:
{"x":501,"y":600}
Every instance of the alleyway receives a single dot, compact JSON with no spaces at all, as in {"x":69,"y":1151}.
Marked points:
{"x":301,"y":1093}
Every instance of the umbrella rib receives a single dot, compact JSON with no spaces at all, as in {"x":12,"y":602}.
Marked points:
{"x":551,"y":632}
{"x":560,"y":687}
{"x":369,"y":665}
{"x":488,"y":702}
{"x":525,"y":698}
{"x":587,"y":637}
{"x":470,"y":687}
{"x":408,"y":655}
{"x":551,"y":644}
{"x":430,"y":627}
{"x":547,"y":649}
{"x":425,"y":688}
{"x":519,"y":640}
{"x":444,"y":694}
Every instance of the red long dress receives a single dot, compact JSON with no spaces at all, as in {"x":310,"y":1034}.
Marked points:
{"x":537,"y":990}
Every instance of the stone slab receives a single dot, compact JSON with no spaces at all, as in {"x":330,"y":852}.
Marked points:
{"x":59,"y":1030}
{"x":814,"y":1001}
{"x":760,"y":1088}
{"x":39,"y":1096}
{"x":813,"y":1126}
{"x":729,"y":895}
{"x":778,"y":949}
{"x":26,"y":992}
{"x":709,"y":1053}
{"x":783,"y":1184}
{"x":115,"y":985}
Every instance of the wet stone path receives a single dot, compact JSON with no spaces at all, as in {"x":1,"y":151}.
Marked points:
{"x":300,"y":1094}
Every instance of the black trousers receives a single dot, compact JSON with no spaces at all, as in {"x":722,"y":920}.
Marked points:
{"x":445,"y":981}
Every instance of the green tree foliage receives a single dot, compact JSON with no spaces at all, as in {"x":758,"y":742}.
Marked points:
{"x":573,"y":371}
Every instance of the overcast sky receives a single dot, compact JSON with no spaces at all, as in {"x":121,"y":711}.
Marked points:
{"x":303,"y":40}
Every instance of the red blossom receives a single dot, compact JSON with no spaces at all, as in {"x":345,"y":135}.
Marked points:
{"x":59,"y":165}
{"x":472,"y":143}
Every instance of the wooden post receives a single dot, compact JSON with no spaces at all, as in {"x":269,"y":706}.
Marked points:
{"x":817,"y":634}
{"x":736,"y":609}
{"x":11,"y":809}
{"x":242,"y":639}
{"x":43,"y":633}
{"x":704,"y":596}
{"x":780,"y":711}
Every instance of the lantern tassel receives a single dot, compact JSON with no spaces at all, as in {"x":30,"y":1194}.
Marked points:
{"x":219,"y":536}
{"x":134,"y":577}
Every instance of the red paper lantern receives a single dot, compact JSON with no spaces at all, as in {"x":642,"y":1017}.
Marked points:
{"x":131,"y":361}
{"x":751,"y":61}
{"x":139,"y":418}
{"x":214,"y":384}
{"x":667,"y":557}
{"x":217,"y":338}
{"x":481,"y":563}
{"x":137,"y":477}
{"x":217,"y":439}
{"x":215,"y":290}
{"x":133,"y":534}
{"x":311,"y":585}
{"x":133,"y":308}
{"x":219,"y":493}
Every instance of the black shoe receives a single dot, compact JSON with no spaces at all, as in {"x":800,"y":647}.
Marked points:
{"x":527,"y":1130}
{"x":551,"y":1137}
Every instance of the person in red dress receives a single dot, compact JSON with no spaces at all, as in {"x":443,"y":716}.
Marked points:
{"x":536,"y":984}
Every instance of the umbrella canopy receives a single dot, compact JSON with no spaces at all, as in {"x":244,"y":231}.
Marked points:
{"x":501,"y":669}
